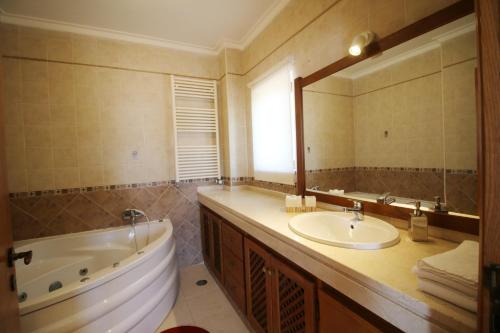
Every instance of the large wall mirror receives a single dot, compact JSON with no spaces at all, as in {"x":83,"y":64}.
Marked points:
{"x":401,"y":122}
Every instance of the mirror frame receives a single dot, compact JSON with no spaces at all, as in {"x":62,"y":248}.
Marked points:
{"x":452,"y":221}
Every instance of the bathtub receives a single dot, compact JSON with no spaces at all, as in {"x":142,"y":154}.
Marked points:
{"x":99,"y":282}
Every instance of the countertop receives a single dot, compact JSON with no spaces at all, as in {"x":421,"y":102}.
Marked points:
{"x":381,"y":280}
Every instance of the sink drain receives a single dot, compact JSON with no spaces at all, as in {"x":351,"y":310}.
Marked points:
{"x":55,"y":285}
{"x":201,"y":283}
{"x":83,"y":271}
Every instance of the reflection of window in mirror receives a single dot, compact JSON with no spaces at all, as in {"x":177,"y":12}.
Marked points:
{"x":402,"y":122}
{"x":273,"y":127}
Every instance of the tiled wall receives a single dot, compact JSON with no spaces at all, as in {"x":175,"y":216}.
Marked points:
{"x":61,"y":213}
{"x":83,"y":112}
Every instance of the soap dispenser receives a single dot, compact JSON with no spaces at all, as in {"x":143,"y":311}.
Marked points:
{"x":418,"y":224}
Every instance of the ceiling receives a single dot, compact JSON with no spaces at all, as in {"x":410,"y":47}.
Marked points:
{"x":195,"y":25}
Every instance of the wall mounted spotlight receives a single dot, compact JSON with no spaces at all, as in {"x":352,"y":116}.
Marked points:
{"x":361,"y":41}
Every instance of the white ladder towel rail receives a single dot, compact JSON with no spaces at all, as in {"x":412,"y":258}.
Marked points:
{"x":195,"y":161}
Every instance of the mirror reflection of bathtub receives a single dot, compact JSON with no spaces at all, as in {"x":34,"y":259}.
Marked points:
{"x":95,"y":281}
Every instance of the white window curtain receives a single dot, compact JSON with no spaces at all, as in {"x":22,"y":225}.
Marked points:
{"x":273,"y":127}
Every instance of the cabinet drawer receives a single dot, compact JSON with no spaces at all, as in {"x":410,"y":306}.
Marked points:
{"x":233,"y":240}
{"x":232,"y":265}
{"x":236,"y":290}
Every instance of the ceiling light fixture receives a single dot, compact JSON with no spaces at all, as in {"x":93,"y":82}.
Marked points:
{"x":361,"y":41}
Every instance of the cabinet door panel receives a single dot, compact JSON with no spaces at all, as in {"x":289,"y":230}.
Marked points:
{"x":294,"y":300}
{"x":258,"y":286}
{"x":335,"y":317}
{"x":233,"y":239}
{"x":216,"y":242}
{"x":205,"y":235}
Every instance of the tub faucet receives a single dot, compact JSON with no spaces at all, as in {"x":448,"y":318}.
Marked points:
{"x":357,"y":209}
{"x":385,"y":199}
{"x":130,"y":214}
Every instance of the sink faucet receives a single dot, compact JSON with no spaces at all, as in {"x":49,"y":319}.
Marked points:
{"x":357,"y":209}
{"x":385,"y":199}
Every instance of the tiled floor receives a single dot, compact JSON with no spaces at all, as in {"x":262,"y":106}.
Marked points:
{"x":206,"y":307}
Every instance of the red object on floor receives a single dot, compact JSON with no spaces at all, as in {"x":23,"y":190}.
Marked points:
{"x":185,"y":329}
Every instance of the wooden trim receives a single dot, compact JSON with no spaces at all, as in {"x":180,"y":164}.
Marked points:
{"x":488,"y":80}
{"x":442,"y":17}
{"x":299,"y":133}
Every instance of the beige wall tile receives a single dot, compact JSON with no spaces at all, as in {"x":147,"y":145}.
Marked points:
{"x":67,"y":177}
{"x":89,"y":156}
{"x":33,"y":43}
{"x":39,"y":158}
{"x":14,"y":136}
{"x":35,"y":92}
{"x":60,"y":48}
{"x":63,"y":136}
{"x":15,"y":158}
{"x":60,"y":72}
{"x":17,"y":180}
{"x":115,"y":174}
{"x":65,"y":158}
{"x":92,"y":176}
{"x":35,"y":114}
{"x":418,"y":9}
{"x":38,"y":136}
{"x":62,"y":92}
{"x":89,"y":135}
{"x":40,"y":179}
{"x":34,"y":70}
{"x":63,"y":115}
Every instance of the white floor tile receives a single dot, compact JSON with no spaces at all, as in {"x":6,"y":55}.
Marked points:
{"x":204,"y":306}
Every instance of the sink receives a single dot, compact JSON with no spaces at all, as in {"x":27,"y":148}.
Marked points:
{"x":342,"y":230}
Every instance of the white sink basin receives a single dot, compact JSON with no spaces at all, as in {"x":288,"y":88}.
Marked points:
{"x":340,"y":229}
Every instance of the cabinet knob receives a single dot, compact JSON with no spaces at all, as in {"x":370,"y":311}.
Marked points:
{"x":264,"y":270}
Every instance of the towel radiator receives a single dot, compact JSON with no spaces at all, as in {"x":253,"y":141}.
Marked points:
{"x":196,"y":127}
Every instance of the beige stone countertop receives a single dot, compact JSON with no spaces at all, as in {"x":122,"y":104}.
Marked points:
{"x":381,"y":280}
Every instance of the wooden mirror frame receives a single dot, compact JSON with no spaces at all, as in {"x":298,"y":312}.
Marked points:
{"x":449,"y":14}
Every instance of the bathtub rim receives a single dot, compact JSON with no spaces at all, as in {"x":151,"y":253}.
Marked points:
{"x":103,"y":275}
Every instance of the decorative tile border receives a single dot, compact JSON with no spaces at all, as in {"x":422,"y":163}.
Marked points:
{"x":106,"y":188}
{"x":402,"y":169}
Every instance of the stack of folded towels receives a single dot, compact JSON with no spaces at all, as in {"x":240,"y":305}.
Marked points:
{"x":452,"y":275}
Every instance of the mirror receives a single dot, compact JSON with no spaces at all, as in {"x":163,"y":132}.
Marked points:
{"x":402,"y":122}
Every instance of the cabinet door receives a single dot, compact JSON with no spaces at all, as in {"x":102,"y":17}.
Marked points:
{"x":294,"y":300}
{"x":216,"y":246}
{"x":258,"y":286}
{"x":335,"y":316}
{"x":205,"y":235}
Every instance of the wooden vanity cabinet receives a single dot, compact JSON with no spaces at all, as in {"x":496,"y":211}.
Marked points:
{"x":279,"y":298}
{"x":233,"y":267}
{"x":275,"y":295}
{"x":211,"y":241}
{"x":222,"y":247}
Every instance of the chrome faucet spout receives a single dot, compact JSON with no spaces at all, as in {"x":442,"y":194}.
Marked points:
{"x":385,"y":199}
{"x":357,"y":209}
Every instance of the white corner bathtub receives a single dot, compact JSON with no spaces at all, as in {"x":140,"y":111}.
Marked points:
{"x":101,"y":283}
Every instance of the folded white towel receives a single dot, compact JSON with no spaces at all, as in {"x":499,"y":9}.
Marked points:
{"x":467,"y":290}
{"x":448,"y":294}
{"x":460,"y":265}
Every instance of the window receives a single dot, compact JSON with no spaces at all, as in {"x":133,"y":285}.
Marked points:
{"x":273,"y":127}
